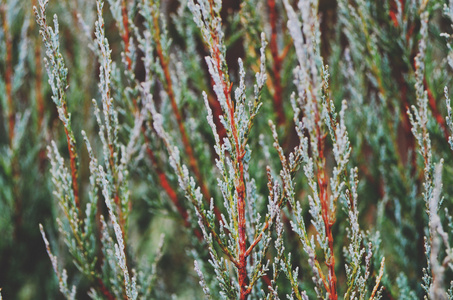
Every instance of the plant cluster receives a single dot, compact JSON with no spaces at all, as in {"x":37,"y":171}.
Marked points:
{"x":263,"y":149}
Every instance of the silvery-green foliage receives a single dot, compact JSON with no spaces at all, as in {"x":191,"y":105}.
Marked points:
{"x":109,"y":179}
{"x":439,"y":237}
{"x":319,"y":119}
{"x":55,"y":65}
{"x":80,"y":245}
{"x":403,"y":285}
{"x":238,"y":121}
{"x":62,"y":275}
{"x":436,"y":237}
{"x":304,"y":210}
{"x":20,"y":142}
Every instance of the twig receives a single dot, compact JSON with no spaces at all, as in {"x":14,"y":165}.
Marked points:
{"x":168,"y":85}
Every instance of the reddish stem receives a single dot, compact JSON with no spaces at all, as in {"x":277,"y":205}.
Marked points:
{"x":17,"y":215}
{"x":239,"y":182}
{"x":38,"y":93}
{"x":406,"y":124}
{"x":437,"y":115}
{"x":239,"y":185}
{"x":239,"y":169}
{"x":394,"y":10}
{"x":165,"y":184}
{"x":240,"y":189}
{"x":327,"y":216}
{"x":104,"y":290}
{"x":185,"y":139}
{"x":328,"y":222}
{"x":167,"y":187}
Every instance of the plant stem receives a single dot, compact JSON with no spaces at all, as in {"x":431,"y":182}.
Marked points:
{"x":168,"y":85}
{"x":327,"y":216}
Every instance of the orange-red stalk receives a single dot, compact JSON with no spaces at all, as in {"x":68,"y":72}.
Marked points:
{"x":327,"y":217}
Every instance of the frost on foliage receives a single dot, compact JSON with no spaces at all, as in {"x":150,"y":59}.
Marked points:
{"x":209,"y":23}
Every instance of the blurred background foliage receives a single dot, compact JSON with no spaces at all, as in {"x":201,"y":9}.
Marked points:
{"x":370,"y":47}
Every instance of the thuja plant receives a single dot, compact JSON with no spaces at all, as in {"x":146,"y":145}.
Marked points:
{"x":286,"y":149}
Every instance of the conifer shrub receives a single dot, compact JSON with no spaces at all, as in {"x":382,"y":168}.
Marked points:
{"x":259,"y":149}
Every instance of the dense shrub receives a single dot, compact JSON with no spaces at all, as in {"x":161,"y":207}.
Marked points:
{"x":256,"y":149}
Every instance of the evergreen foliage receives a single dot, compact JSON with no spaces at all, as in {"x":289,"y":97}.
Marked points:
{"x":228,"y":150}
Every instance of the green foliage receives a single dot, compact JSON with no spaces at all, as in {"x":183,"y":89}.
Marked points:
{"x":264,"y":149}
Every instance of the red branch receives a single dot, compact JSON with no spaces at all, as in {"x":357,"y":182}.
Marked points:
{"x":406,"y":124}
{"x":394,"y":11}
{"x":11,"y":123}
{"x":167,"y":187}
{"x":239,"y":168}
{"x":327,"y":216}
{"x":437,"y":115}
{"x":328,"y":222}
{"x":168,"y":85}
{"x":163,"y":180}
{"x":104,"y":290}
{"x":38,"y":93}
{"x":165,"y":184}
{"x":239,"y":182}
{"x":169,"y":89}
